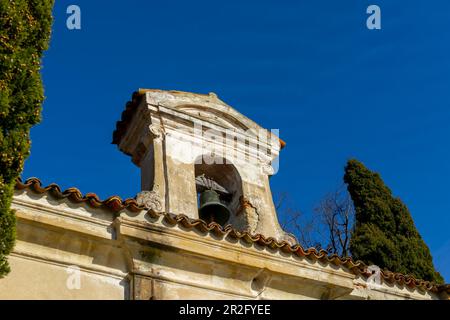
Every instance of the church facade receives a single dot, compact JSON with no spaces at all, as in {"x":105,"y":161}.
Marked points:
{"x":204,"y":225}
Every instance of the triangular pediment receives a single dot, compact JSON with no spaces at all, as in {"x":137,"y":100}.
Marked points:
{"x":206,"y":107}
{"x":223,"y":119}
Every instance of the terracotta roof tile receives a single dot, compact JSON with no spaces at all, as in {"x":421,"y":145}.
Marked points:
{"x":113,"y":203}
{"x":116,"y":204}
{"x":444,"y":288}
{"x":127,"y":115}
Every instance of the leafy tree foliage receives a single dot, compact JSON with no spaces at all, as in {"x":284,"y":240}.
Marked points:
{"x":25,"y":27}
{"x":384,"y":233}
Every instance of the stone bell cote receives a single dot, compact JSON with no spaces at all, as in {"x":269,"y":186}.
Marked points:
{"x":201,"y":158}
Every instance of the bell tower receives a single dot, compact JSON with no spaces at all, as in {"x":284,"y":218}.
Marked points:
{"x":201,"y":158}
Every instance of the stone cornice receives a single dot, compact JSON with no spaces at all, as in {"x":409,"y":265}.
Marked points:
{"x":195,"y":237}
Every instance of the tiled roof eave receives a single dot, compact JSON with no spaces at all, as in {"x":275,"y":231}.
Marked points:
{"x":116,"y":204}
{"x":113,"y":203}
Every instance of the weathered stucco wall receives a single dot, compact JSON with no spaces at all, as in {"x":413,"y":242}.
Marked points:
{"x":33,"y":278}
{"x":143,"y":255}
{"x":57,"y":240}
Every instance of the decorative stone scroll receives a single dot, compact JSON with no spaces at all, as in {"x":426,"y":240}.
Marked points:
{"x":156,"y":130}
{"x":150,"y":199}
{"x":250,"y":208}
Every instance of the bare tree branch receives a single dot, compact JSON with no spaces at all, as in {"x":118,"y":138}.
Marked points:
{"x":328,"y":228}
{"x":337,"y":213}
{"x":297,"y":223}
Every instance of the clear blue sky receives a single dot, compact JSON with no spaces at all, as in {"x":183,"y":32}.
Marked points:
{"x":335,"y":90}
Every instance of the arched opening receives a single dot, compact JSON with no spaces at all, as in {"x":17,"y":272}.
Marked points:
{"x":219,"y":189}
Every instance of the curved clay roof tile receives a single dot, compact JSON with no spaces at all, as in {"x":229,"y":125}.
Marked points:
{"x":116,"y":204}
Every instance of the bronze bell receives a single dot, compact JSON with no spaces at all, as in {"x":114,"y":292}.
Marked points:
{"x":211,"y":209}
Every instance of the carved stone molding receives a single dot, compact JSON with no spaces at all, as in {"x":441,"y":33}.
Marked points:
{"x":261,"y":281}
{"x":150,"y":199}
{"x":267,"y":169}
{"x":156,"y":130}
{"x":250,"y":208}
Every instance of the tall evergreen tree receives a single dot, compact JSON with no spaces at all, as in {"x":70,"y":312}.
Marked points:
{"x":25,"y":27}
{"x":384,"y":232}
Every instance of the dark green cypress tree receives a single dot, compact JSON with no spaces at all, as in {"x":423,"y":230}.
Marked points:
{"x":25,"y":27}
{"x":384,"y":232}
